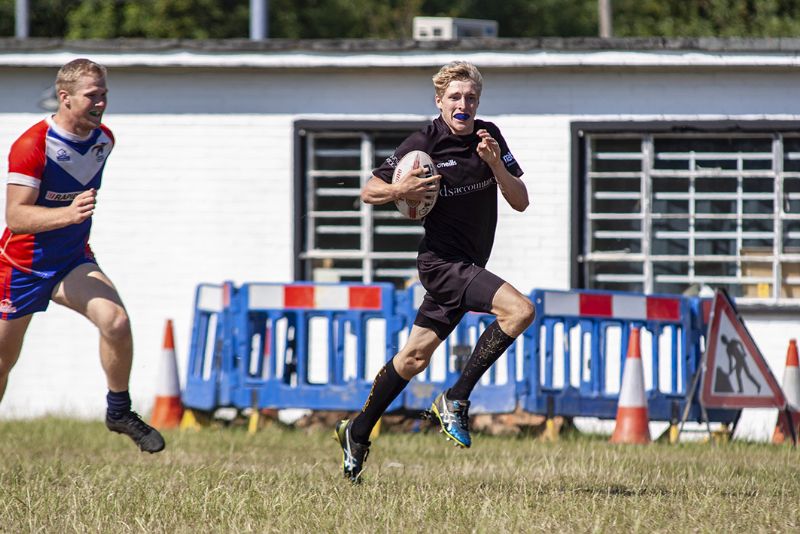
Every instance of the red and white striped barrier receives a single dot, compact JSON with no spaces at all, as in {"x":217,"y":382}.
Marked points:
{"x":612,"y":306}
{"x":314,"y":297}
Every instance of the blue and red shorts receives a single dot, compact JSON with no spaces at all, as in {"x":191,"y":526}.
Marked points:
{"x":23,"y":293}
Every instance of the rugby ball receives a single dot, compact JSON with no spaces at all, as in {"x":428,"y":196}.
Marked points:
{"x":414,"y":209}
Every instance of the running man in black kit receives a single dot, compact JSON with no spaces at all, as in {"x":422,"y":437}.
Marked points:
{"x":473,"y":161}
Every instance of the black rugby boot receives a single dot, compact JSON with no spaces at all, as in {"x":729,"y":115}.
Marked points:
{"x":129,"y":423}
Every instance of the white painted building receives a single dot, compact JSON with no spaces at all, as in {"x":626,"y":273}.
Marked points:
{"x":221,"y":147}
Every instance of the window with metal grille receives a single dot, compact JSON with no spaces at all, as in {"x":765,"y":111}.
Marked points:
{"x":666,"y":211}
{"x":340,"y":238}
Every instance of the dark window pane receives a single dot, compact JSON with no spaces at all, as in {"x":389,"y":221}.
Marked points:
{"x":616,"y":268}
{"x":758,"y":185}
{"x":605,"y":154}
{"x":765,"y":243}
{"x":672,"y":207}
{"x":791,"y":235}
{"x":337,"y":154}
{"x":763,"y":206}
{"x":670,"y":225}
{"x":617,"y":225}
{"x":616,"y":144}
{"x":671,"y":184}
{"x":715,"y":269}
{"x":791,"y":154}
{"x":675,"y":288}
{"x":675,"y":268}
{"x":715,"y":206}
{"x":631,"y":185}
{"x":758,"y":225}
{"x":715,"y":247}
{"x":715,"y":185}
{"x":715,"y":225}
{"x":616,"y":205}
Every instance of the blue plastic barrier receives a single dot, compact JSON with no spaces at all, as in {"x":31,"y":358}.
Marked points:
{"x":580,"y":337}
{"x":308,"y":345}
{"x":210,"y":346}
{"x":318,"y":346}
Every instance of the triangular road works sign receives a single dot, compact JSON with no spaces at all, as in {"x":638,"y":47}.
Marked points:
{"x":735,"y":374}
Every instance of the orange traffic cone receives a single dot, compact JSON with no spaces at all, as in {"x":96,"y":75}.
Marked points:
{"x":168,"y":409}
{"x":791,"y":388}
{"x":632,"y":420}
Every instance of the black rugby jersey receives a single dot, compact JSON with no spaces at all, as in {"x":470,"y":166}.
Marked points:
{"x":462,"y":224}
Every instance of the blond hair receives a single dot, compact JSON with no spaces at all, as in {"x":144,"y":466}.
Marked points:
{"x":457,"y":71}
{"x":68,"y":75}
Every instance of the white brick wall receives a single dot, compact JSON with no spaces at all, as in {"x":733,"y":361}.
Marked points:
{"x":200,"y":186}
{"x":532,"y":248}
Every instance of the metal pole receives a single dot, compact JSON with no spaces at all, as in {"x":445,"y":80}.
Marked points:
{"x":21,"y":19}
{"x":259,"y":20}
{"x":604,"y":16}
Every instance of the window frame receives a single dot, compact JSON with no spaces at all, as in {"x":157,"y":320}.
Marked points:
{"x":579,"y":188}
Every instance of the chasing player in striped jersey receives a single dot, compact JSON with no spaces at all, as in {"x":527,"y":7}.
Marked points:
{"x":55,"y":169}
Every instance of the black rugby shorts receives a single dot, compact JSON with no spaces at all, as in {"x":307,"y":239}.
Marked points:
{"x":453,"y":289}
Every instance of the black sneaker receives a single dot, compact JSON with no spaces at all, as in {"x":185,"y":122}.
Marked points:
{"x":354,"y":455}
{"x":146,"y":437}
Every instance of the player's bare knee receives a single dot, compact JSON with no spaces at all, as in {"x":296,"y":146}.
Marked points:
{"x":413,"y":366}
{"x":413,"y":363}
{"x":116,"y":327}
{"x":7,"y":360}
{"x":517,"y":317}
{"x":526,"y":312}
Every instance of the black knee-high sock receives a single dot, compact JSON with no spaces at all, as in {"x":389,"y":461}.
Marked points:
{"x":386,"y":387}
{"x":492,"y":343}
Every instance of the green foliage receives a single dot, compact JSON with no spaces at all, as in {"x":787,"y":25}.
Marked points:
{"x":707,"y":18}
{"x":6,"y":17}
{"x":524,"y":18}
{"x":178,"y":19}
{"x":391,"y":19}
{"x":332,"y":19}
{"x":46,"y":18}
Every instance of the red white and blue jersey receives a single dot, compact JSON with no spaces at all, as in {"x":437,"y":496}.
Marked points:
{"x":61,"y":166}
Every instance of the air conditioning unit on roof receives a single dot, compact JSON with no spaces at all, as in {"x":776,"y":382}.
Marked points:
{"x":446,"y":28}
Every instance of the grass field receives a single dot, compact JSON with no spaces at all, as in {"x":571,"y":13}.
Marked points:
{"x":60,"y":476}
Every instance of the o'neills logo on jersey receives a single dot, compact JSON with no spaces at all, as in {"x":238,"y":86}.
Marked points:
{"x":447,"y":191}
{"x":448,"y":163}
{"x":6,"y":306}
{"x":392,"y":161}
{"x":61,"y":197}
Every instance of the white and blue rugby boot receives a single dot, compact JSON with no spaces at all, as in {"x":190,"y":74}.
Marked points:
{"x":453,"y":416}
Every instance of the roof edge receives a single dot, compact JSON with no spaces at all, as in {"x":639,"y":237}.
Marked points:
{"x":703,"y":44}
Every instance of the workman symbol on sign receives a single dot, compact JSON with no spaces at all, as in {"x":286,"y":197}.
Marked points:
{"x":737,"y":362}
